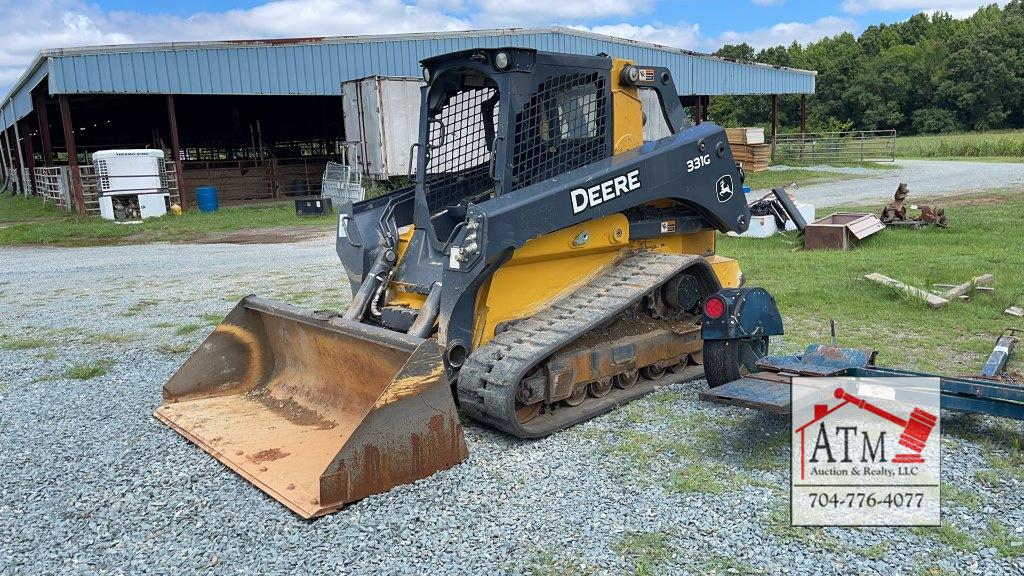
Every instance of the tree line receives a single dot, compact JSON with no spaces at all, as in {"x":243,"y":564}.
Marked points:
{"x":931,"y":73}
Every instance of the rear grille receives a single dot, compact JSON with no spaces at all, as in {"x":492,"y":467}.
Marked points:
{"x":563,"y":127}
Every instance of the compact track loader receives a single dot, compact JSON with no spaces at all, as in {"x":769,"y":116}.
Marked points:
{"x":546,"y":266}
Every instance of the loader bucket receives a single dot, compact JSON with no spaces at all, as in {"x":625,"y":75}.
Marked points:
{"x":316,"y":411}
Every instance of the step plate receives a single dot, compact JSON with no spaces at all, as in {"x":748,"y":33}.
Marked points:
{"x":753,"y":393}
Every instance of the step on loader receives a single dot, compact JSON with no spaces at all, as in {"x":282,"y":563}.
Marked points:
{"x":546,"y":265}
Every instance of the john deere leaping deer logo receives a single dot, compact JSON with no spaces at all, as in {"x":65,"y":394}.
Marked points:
{"x":724,"y":188}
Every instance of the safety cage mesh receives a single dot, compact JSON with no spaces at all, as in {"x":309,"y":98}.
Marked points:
{"x":460,"y":149}
{"x":563,"y":127}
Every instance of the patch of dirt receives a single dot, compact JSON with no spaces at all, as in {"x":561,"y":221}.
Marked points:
{"x":279,"y":235}
{"x":975,"y":199}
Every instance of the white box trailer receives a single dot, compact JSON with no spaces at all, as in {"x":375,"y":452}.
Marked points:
{"x":381,"y":117}
{"x":656,"y":126}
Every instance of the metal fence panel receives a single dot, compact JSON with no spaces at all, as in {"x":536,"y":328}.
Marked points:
{"x":860,"y":146}
{"x":53,"y":185}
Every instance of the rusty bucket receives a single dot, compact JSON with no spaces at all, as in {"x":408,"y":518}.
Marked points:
{"x":316,"y":411}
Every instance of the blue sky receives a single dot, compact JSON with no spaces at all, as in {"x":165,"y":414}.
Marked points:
{"x":33,"y":25}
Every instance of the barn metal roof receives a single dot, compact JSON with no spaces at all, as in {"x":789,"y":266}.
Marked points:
{"x":318,"y":66}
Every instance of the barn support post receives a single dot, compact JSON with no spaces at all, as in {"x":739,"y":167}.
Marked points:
{"x":77,"y":195}
{"x":21,"y":158}
{"x":179,"y":171}
{"x":10,"y":164}
{"x":803,"y":114}
{"x":30,"y":158}
{"x":698,"y":111}
{"x":775,"y":120}
{"x":3,"y":157}
{"x":43,"y":118}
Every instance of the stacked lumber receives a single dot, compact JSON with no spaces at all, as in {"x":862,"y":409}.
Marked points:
{"x":749,"y":148}
{"x":745,"y":135}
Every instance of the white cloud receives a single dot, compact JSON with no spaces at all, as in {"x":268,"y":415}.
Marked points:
{"x":530,"y":12}
{"x":683,"y":35}
{"x":689,"y":36}
{"x":958,"y":8}
{"x":291,"y":18}
{"x":39,"y":24}
{"x":31,"y":26}
{"x":785,"y":33}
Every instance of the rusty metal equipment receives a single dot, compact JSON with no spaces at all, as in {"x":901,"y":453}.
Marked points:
{"x":895,"y":213}
{"x":771,"y":388}
{"x":840,"y":231}
{"x":315,"y":411}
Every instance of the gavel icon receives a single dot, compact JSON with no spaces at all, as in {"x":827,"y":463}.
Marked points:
{"x":916,"y":429}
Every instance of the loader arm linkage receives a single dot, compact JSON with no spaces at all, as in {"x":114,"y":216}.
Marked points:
{"x":546,"y":265}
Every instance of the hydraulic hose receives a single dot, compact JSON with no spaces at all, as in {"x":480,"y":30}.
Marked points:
{"x":371,"y":282}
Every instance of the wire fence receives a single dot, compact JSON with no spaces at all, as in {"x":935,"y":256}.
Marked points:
{"x":54,"y":184}
{"x":825,"y":147}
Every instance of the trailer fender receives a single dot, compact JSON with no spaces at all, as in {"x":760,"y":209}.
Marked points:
{"x":734,"y":313}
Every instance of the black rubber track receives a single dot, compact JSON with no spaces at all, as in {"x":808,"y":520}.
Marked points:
{"x":487,"y":381}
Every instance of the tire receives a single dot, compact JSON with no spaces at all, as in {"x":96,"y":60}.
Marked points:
{"x":728,"y":360}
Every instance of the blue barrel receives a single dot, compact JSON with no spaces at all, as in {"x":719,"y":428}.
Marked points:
{"x":746,"y":189}
{"x":206,"y":197}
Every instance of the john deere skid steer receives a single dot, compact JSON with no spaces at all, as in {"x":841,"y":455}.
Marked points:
{"x":546,"y":266}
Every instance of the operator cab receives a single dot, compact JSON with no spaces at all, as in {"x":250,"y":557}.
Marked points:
{"x":560,"y":121}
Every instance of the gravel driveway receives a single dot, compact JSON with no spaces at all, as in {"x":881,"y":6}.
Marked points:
{"x":926,"y":178}
{"x":92,"y":483}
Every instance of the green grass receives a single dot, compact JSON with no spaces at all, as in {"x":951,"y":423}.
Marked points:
{"x":718,"y":565}
{"x":875,"y":551}
{"x":1008,"y":544}
{"x":547,"y":564}
{"x":34,"y":223}
{"x":949,"y":535}
{"x":697,"y":477}
{"x":953,"y":495}
{"x":114,"y":337}
{"x":987,"y":477}
{"x":173,"y":348}
{"x":1006,"y":146}
{"x":46,"y":355}
{"x":213,"y":319}
{"x":802,"y":176}
{"x":188,"y":329}
{"x":139,"y":307}
{"x":21,"y":209}
{"x":813,"y":286}
{"x":646,"y":551}
{"x":88,"y":370}
{"x":24,"y":343}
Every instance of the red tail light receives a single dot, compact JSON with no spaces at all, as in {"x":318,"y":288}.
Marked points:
{"x":714,"y":308}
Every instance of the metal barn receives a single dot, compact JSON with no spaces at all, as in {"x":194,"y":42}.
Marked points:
{"x":260,"y":119}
